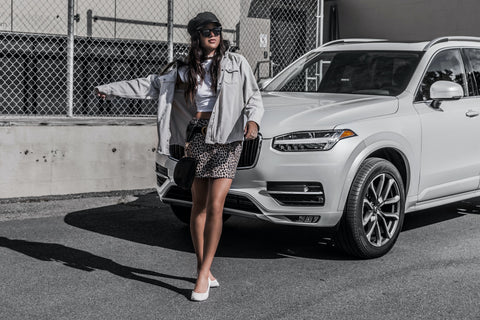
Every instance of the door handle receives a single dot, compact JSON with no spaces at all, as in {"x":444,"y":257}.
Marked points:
{"x":472,"y":113}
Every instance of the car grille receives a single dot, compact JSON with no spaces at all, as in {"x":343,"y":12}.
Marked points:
{"x":161,"y":180}
{"x":250,"y":151}
{"x":176,"y":151}
{"x":162,"y":174}
{"x":161,"y":170}
{"x":233,"y":201}
{"x":248,"y":158}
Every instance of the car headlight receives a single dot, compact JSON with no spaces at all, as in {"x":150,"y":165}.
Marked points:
{"x":310,"y":140}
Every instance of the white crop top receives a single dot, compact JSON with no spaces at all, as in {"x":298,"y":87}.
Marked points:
{"x":205,"y":97}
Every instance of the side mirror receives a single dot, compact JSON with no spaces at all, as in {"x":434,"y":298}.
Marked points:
{"x":444,"y":90}
{"x":263,"y":83}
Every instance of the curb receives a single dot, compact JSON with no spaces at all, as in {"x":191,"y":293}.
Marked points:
{"x":120,"y":193}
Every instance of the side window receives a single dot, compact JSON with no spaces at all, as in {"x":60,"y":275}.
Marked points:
{"x":448,"y":66}
{"x":474,"y":74}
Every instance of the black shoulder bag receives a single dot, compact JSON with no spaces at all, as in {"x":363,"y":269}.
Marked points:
{"x":184,"y":171}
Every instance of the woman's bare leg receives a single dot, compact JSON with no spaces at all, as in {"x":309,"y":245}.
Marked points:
{"x":217,"y":192}
{"x":198,"y":217}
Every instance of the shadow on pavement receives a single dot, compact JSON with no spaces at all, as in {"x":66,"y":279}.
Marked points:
{"x":471,"y":206}
{"x":447,"y":212}
{"x":86,"y":261}
{"x":147,"y":221}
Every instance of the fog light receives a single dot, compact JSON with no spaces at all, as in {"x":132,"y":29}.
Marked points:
{"x":296,"y":193}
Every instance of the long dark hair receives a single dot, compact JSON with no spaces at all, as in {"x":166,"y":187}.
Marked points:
{"x":196,"y":56}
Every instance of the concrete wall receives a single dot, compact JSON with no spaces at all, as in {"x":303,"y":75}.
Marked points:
{"x":42,"y":158}
{"x":408,"y":19}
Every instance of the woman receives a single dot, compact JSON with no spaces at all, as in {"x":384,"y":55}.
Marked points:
{"x":218,"y":90}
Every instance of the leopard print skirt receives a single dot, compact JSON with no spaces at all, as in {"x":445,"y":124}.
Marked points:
{"x":213,"y":160}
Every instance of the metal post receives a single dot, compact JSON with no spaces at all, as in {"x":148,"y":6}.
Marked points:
{"x":319,"y":39}
{"x":70,"y":52}
{"x":11,"y":15}
{"x":89,"y":23}
{"x":320,"y":15}
{"x":170,"y":30}
{"x":115,"y":22}
{"x":322,"y":22}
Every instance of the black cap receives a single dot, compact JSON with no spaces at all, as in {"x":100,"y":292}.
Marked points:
{"x":201,"y":19}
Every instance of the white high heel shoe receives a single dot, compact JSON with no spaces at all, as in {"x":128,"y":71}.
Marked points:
{"x":214,"y":283}
{"x":196,"y":296}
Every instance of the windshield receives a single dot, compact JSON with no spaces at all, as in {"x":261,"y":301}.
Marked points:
{"x":355,"y":72}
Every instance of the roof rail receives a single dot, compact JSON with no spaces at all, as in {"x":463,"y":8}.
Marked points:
{"x":353,"y":40}
{"x":446,"y":39}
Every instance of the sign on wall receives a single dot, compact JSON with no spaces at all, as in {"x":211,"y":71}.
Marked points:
{"x":263,"y":40}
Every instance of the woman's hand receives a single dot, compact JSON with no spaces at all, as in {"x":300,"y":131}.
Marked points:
{"x":101,"y":95}
{"x":251,"y":130}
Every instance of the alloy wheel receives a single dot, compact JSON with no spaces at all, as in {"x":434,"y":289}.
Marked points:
{"x":381,"y":210}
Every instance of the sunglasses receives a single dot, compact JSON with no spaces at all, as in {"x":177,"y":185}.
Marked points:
{"x":206,"y":32}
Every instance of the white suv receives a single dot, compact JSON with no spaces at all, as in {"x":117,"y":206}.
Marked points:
{"x":355,"y":134}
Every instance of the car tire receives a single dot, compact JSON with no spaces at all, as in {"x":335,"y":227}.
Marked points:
{"x":374,"y":211}
{"x":183,"y":213}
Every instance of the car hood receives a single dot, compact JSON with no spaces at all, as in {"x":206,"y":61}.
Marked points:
{"x":288,"y":112}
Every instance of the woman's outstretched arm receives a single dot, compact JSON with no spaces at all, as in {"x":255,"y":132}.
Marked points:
{"x":141,"y":88}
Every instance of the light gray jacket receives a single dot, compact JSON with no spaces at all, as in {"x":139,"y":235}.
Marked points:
{"x":238,"y":101}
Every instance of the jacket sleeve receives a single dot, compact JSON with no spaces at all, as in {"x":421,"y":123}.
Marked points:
{"x":141,"y":88}
{"x":251,"y":94}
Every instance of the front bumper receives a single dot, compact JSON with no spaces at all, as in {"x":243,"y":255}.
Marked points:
{"x":250,"y":197}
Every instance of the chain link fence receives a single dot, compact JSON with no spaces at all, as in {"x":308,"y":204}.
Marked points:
{"x":121,"y":39}
{"x":33,"y":64}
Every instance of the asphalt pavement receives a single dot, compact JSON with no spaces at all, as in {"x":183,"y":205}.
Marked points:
{"x":128,"y":257}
